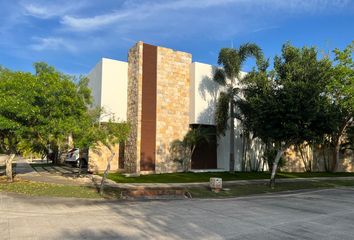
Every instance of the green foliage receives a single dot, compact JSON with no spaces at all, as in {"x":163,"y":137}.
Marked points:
{"x":198,"y":135}
{"x":226,"y":176}
{"x":18,"y":112}
{"x":341,"y":88}
{"x":94,"y":132}
{"x":40,"y":109}
{"x":231,"y":61}
{"x":288,"y":105}
{"x":222,"y":112}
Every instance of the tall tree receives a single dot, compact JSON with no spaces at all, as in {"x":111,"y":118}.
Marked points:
{"x":62,"y":105}
{"x":341,"y":93}
{"x":231,"y":61}
{"x":39,"y":108}
{"x":287,"y":106}
{"x":18,"y":113}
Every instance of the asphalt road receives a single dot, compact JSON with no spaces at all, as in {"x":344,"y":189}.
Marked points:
{"x":321,"y":214}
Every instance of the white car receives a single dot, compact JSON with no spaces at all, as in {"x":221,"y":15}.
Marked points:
{"x":73,"y":158}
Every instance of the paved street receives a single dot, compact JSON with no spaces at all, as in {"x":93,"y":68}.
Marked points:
{"x":320,"y":214}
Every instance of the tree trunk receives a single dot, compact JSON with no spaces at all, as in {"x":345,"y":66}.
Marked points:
{"x":80,"y":167}
{"x":275,"y":166}
{"x":337,"y":143}
{"x":106,"y":171}
{"x":305,"y":159}
{"x":244,"y":152}
{"x":232,"y":138}
{"x":335,"y":157}
{"x":325,"y":157}
{"x":189,"y":164}
{"x":9,"y":168}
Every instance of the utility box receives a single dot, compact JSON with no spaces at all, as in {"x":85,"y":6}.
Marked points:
{"x":216,"y":184}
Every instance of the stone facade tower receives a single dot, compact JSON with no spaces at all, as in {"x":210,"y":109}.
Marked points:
{"x":158,"y":106}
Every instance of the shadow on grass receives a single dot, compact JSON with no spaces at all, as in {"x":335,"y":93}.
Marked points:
{"x":226,"y":176}
{"x":30,"y":188}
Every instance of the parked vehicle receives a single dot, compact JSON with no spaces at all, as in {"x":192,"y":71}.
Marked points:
{"x":76,"y":158}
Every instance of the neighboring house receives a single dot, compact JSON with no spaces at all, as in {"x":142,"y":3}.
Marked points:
{"x":161,"y":93}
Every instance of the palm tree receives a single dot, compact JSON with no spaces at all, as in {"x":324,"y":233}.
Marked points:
{"x":231,"y":61}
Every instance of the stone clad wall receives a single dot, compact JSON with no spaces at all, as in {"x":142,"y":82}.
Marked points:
{"x":173,"y":80}
{"x":294,"y":160}
{"x":98,"y":157}
{"x":135,"y":72}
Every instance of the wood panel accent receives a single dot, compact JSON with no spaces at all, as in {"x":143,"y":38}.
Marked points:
{"x":205,"y":154}
{"x":148,"y":112}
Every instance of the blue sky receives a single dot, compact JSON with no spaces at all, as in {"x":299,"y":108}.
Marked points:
{"x":73,"y":35}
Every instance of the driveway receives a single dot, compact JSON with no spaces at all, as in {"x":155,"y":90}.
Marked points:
{"x":53,"y":174}
{"x":320,"y":214}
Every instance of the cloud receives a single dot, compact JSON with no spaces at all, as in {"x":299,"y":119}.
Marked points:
{"x":52,"y":43}
{"x":133,"y":10}
{"x":261,"y":29}
{"x":44,"y":10}
{"x":88,"y":29}
{"x":137,"y":10}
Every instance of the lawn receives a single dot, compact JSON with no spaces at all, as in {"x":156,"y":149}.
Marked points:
{"x":58,"y":190}
{"x":204,"y":177}
{"x":244,"y":190}
{"x":55,"y":190}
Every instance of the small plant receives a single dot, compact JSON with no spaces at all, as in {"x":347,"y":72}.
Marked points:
{"x":182,"y":151}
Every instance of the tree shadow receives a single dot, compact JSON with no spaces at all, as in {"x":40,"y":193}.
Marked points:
{"x":97,"y":219}
{"x":209,"y":91}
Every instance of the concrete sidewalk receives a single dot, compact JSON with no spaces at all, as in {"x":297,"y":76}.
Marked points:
{"x":25,"y":171}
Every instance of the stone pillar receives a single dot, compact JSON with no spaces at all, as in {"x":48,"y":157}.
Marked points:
{"x":158,"y":106}
{"x":135,"y":73}
{"x":173,"y":82}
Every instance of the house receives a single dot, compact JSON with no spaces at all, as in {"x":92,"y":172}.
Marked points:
{"x":161,"y":93}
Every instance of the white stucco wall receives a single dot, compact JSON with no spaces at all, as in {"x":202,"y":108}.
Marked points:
{"x":223,"y":148}
{"x":204,"y":93}
{"x":95,"y":83}
{"x":114,"y":89}
{"x":109,"y":84}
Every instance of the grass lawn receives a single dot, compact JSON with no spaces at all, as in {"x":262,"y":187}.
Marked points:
{"x":244,"y":190}
{"x":55,"y":190}
{"x":204,"y":177}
